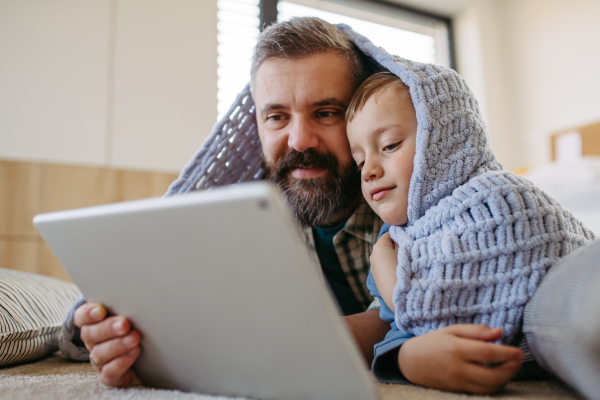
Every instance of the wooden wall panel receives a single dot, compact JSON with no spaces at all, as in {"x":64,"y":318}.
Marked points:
{"x":19,"y":255}
{"x":19,"y":197}
{"x":67,"y":187}
{"x":27,"y":189}
{"x":49,"y":265}
{"x":139,"y":185}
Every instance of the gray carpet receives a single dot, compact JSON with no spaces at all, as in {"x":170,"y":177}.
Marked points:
{"x":58,"y":378}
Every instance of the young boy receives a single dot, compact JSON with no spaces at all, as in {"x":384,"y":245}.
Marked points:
{"x":468,"y":243}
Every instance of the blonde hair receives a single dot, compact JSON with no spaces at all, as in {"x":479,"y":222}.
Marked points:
{"x":372,"y":86}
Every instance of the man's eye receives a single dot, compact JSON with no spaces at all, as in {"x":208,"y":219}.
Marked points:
{"x":326,"y":114}
{"x":274,"y":117}
{"x":391,"y":146}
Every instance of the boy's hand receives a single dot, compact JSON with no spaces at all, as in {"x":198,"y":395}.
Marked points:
{"x":113,"y":344}
{"x":384,"y":261}
{"x":452,"y":358}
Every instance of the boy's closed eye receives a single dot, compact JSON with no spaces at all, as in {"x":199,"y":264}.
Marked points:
{"x":392,"y":146}
{"x":386,"y":148}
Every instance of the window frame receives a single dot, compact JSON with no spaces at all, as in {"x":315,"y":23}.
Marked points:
{"x":268,"y":15}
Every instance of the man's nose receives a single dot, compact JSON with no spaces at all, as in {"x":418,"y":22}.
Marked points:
{"x":371,"y":170}
{"x":302,"y":135}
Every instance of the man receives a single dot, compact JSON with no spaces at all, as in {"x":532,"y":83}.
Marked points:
{"x":304,"y":73}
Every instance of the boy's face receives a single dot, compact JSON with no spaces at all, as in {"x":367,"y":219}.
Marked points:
{"x":382,"y":140}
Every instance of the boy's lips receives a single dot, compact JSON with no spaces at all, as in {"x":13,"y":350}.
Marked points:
{"x":377,"y":193}
{"x":305,"y":173}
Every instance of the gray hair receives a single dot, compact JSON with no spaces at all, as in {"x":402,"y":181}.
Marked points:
{"x":304,"y":36}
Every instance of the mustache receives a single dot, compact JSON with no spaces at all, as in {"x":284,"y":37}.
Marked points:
{"x":306,"y":159}
{"x":317,"y":201}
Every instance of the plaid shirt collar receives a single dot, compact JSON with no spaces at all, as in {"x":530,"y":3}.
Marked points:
{"x":353,"y":245}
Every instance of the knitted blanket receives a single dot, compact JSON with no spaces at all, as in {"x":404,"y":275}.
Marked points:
{"x":479,"y":255}
{"x":478,"y":240}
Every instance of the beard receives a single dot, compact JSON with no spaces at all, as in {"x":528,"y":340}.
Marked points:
{"x":317,"y":201}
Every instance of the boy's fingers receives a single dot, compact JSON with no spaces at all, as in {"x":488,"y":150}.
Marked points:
{"x":475,"y":331}
{"x":386,"y":241}
{"x":89,"y":313}
{"x":488,"y":380}
{"x":104,"y":352}
{"x":110,"y":328}
{"x":117,"y":372}
{"x":390,"y":241}
{"x":481,"y":352}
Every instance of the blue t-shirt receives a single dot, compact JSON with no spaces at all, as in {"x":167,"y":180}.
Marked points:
{"x":385,"y":364}
{"x":333,"y":269}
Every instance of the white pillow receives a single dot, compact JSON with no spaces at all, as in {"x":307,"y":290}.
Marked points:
{"x":32,"y":311}
{"x":562,"y":322}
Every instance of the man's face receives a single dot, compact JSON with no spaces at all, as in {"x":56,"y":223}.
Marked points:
{"x":300,"y":109}
{"x":383,"y":139}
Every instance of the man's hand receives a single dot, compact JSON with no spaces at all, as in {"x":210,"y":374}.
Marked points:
{"x":384,"y":261}
{"x":113,"y":344}
{"x":453,"y":358}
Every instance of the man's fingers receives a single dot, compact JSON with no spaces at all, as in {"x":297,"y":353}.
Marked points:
{"x":89,"y":313}
{"x":117,"y":372}
{"x":475,"y":331}
{"x":111,"y":327}
{"x":482,"y":379}
{"x":104,"y":352}
{"x":482,"y":352}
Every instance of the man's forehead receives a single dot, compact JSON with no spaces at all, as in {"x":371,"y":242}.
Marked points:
{"x":317,"y":80}
{"x":330,"y":58}
{"x":314,"y":67}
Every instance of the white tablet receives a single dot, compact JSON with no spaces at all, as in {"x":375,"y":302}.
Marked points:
{"x":222,"y":289}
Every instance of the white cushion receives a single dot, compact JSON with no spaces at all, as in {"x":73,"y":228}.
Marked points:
{"x":32,"y":311}
{"x":562,"y":322}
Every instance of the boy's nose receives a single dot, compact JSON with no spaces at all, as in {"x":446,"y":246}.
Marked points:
{"x":370,"y":171}
{"x":301,"y":136}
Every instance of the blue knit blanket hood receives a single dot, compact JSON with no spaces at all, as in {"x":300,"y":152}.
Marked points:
{"x":478,"y":239}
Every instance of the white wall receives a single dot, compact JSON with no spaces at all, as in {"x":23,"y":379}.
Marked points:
{"x":53,"y":79}
{"x":557,"y":50}
{"x":533,"y":66}
{"x":132,"y":83}
{"x":118,"y":83}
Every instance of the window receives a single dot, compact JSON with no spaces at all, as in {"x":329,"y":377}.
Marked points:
{"x":237,"y":32}
{"x":413,"y":35}
{"x":400,"y":32}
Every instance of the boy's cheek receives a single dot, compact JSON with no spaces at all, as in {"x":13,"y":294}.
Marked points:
{"x":367,"y":196}
{"x":365,"y":192}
